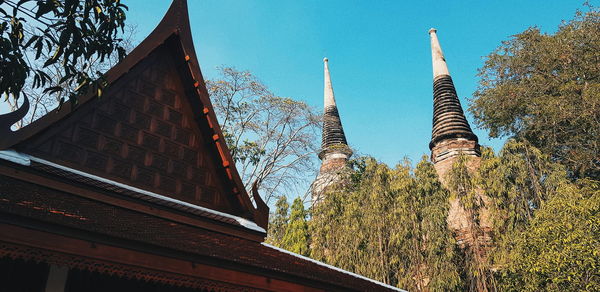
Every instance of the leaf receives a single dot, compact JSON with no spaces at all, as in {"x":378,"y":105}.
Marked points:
{"x":43,"y":8}
{"x":30,"y":41}
{"x":53,"y":89}
{"x":57,"y":53}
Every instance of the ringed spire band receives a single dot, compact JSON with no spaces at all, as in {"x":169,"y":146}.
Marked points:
{"x":333,"y":132}
{"x":448,"y":117}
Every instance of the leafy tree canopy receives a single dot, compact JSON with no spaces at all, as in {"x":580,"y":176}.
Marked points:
{"x":296,"y":237}
{"x":545,"y":227}
{"x":545,"y":88}
{"x":35,"y":34}
{"x":388,"y":224}
{"x":278,"y":221}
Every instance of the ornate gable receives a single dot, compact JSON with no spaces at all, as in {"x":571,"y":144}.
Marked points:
{"x":154,"y":128}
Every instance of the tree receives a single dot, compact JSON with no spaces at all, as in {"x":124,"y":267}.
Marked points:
{"x":389,"y":225}
{"x":352,"y":226}
{"x":462,"y":185}
{"x":438,"y":247}
{"x":43,"y":102}
{"x":545,"y":227}
{"x":272,"y":139}
{"x":545,"y":88}
{"x":296,"y":238}
{"x":517,"y":182}
{"x":39,"y":34}
{"x":278,"y":222}
{"x":559,"y":250}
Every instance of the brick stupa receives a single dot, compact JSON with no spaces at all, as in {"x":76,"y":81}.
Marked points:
{"x":335,"y":152}
{"x":452,"y":136}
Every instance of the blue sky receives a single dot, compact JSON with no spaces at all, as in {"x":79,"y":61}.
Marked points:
{"x":378,"y":53}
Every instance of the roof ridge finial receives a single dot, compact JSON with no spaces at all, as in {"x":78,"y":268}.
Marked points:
{"x":9,"y":119}
{"x":437,"y":56}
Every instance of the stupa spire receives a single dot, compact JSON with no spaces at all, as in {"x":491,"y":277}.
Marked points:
{"x":328,"y":96}
{"x":451,"y":137}
{"x":333,"y":132}
{"x":437,"y":56}
{"x":449,"y":120}
{"x":334,"y":148}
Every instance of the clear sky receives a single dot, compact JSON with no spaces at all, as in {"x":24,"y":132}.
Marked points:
{"x":378,"y":52}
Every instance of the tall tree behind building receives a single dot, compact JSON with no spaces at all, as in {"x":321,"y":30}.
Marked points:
{"x":278,"y":221}
{"x":441,"y":268}
{"x":390,"y":225}
{"x":352,"y":225}
{"x":545,"y":88}
{"x":296,"y":237}
{"x":272,"y":139}
{"x":545,"y":227}
{"x":559,"y":249}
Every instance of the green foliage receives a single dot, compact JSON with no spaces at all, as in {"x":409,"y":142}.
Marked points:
{"x":38,"y":34}
{"x":517,"y":182}
{"x":545,"y":88}
{"x":438,"y":247}
{"x":546,"y":229}
{"x":278,"y":221}
{"x":560,"y":249}
{"x":296,"y":238}
{"x":389,"y":225}
{"x":463,"y":187}
{"x":351,"y":226}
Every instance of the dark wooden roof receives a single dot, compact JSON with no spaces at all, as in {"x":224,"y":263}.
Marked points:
{"x":52,"y":209}
{"x":154,"y":128}
{"x":448,"y":117}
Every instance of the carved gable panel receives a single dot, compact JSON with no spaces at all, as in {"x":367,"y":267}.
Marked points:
{"x":141,"y":132}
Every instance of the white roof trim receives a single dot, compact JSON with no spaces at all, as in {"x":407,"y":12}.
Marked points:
{"x":332,"y":267}
{"x":14,"y":156}
{"x":25,"y":159}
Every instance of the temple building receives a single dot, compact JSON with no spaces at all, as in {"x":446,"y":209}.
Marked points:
{"x":452,"y":136}
{"x":335,"y":152}
{"x":137,"y":190}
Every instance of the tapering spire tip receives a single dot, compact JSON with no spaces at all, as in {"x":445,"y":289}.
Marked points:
{"x":439,"y":62}
{"x":325,"y":60}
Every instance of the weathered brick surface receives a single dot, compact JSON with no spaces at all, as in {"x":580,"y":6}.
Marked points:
{"x":333,"y":164}
{"x":460,"y":220}
{"x":332,"y":172}
{"x":443,"y":154}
